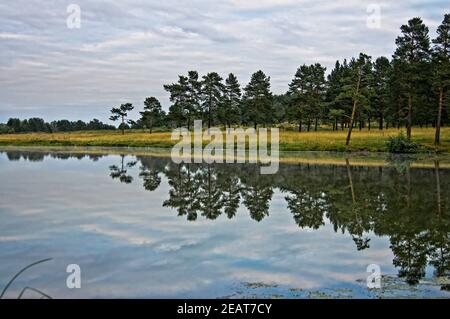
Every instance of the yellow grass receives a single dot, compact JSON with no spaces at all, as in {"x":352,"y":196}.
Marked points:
{"x":372,"y":141}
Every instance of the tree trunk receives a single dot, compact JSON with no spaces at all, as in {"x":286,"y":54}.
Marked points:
{"x":316,"y":124}
{"x":381,"y":121}
{"x":438,"y":188}
{"x":123,"y":125}
{"x":300,"y":125}
{"x":209,"y":117}
{"x":409,"y":124}
{"x":350,"y":180}
{"x":439,"y":117}
{"x":352,"y":119}
{"x":408,"y":185}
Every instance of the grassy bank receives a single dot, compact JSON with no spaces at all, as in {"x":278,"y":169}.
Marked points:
{"x":371,"y":141}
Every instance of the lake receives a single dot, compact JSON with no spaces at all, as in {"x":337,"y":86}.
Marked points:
{"x":140,"y":226}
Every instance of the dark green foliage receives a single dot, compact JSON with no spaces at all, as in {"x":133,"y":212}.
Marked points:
{"x":185,"y":96}
{"x":211,"y":89}
{"x":380,"y":97}
{"x":179,"y":111}
{"x":401,"y":144}
{"x":412,"y":58}
{"x":5,"y":129}
{"x":358,"y":87}
{"x":95,"y":124}
{"x":257,"y":107}
{"x":16,"y":125}
{"x":306,"y":92}
{"x":281,"y":108}
{"x":152,"y":114}
{"x":337,"y":108}
{"x":441,"y":71}
{"x":229,"y":111}
{"x":120,"y":172}
{"x":121,"y":113}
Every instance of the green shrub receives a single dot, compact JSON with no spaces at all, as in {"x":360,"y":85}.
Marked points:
{"x":400,"y":144}
{"x":5,"y":129}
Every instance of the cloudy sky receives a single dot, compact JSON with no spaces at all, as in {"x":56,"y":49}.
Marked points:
{"x":126,"y":50}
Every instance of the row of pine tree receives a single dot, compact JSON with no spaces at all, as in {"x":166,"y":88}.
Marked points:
{"x":409,"y":89}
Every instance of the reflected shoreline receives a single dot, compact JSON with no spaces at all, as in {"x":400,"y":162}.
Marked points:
{"x":420,"y":160}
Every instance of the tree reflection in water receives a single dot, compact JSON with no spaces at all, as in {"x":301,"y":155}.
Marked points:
{"x":410,"y":206}
{"x":120,"y":171}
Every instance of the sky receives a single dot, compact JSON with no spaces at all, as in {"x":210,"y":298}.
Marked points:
{"x":124,"y":51}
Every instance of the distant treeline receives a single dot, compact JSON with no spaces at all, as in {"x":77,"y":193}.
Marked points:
{"x":15,"y":125}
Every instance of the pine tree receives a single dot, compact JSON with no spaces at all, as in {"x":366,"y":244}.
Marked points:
{"x":411,"y":56}
{"x":297,"y":94}
{"x":193,"y":107}
{"x":337,"y":107}
{"x":121,"y":113}
{"x":179,"y":111}
{"x":212,"y":88}
{"x":316,"y":92}
{"x":258,"y":99}
{"x":441,"y":68}
{"x":307,"y":93}
{"x":381,"y":77}
{"x":229,"y":110}
{"x":357,"y":86}
{"x":152,"y":112}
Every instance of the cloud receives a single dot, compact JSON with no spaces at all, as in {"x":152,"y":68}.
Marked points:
{"x":125,"y":41}
{"x":18,"y":37}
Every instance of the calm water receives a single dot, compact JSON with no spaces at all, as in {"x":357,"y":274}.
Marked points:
{"x":141,"y":226}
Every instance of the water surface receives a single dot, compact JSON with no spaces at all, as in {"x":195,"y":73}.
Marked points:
{"x":141,"y":226}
